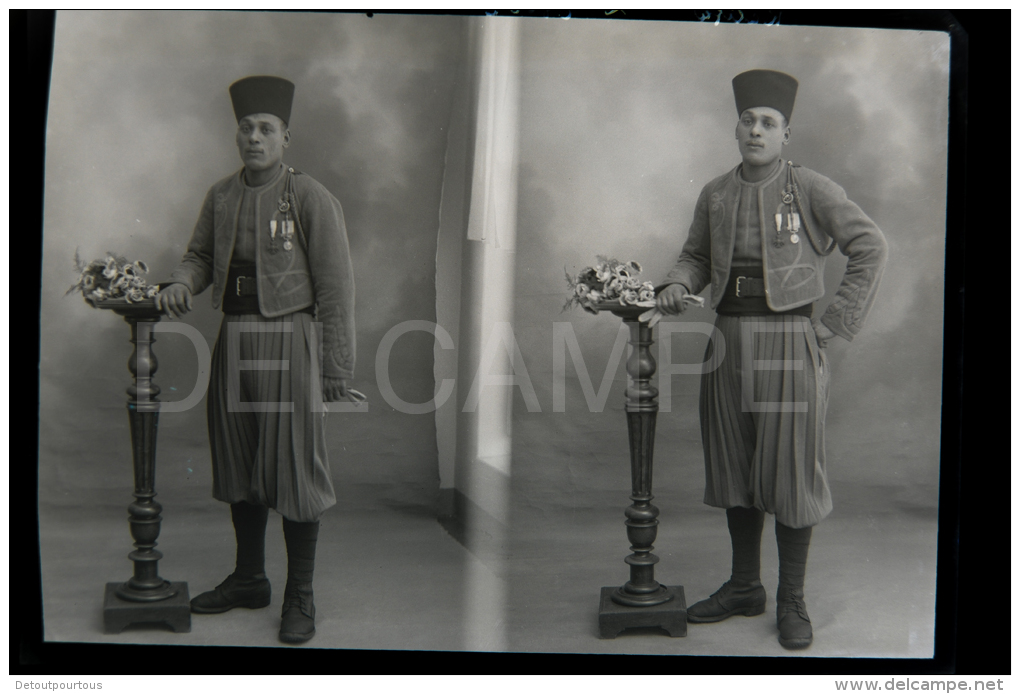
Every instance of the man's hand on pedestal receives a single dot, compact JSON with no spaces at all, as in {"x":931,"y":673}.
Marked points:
{"x":671,"y":300}
{"x":174,"y":300}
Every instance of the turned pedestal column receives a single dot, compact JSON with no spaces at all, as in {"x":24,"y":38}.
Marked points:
{"x":145,"y":598}
{"x":642,"y":601}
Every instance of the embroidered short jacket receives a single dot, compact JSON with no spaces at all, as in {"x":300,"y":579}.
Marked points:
{"x":316,"y":270}
{"x":793,"y":271}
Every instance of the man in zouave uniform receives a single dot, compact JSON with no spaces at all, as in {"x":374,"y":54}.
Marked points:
{"x":272,"y":243}
{"x":760,"y":237}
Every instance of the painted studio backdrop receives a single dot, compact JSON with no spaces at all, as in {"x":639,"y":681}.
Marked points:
{"x":476,"y":159}
{"x":621,"y":127}
{"x":140,"y":125}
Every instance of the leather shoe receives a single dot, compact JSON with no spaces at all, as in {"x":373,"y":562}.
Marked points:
{"x":792,"y":619}
{"x":298,"y":624}
{"x":731,"y":599}
{"x":251,"y":592}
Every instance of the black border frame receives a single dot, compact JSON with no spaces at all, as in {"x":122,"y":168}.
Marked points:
{"x":969,"y":632}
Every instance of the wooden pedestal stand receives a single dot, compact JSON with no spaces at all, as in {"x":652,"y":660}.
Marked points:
{"x":145,"y":598}
{"x":642,"y":601}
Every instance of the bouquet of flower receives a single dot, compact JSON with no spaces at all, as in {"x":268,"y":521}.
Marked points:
{"x":113,"y":277}
{"x":610,"y":281}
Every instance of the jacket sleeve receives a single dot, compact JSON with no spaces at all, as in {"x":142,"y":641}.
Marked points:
{"x":196,"y":268}
{"x":693,"y":268}
{"x":866,"y":249}
{"x":329,"y":260}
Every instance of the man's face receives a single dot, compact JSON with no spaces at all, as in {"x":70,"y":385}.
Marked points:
{"x":761,"y":134}
{"x":261,"y":139}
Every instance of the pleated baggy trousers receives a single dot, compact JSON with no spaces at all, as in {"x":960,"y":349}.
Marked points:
{"x":763,"y":419}
{"x":266,"y":417}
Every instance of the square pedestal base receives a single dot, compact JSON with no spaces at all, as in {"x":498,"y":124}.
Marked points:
{"x":671,"y":616}
{"x":174,"y":612}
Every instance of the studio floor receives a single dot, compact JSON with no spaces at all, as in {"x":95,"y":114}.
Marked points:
{"x":388,"y":576}
{"x":870,"y":587}
{"x":871,"y":572}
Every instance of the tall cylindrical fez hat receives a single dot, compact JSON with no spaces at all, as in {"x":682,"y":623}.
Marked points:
{"x":757,"y":88}
{"x":262,"y":94}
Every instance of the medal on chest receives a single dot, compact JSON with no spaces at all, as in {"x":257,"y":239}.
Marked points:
{"x":785,"y":210}
{"x":283,"y":225}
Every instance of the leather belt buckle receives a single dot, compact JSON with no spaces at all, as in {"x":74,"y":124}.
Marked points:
{"x":749,"y":287}
{"x":244,"y":287}
{"x":739,"y":279}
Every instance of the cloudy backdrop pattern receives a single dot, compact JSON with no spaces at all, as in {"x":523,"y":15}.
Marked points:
{"x":623,"y":123}
{"x":140,"y":125}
